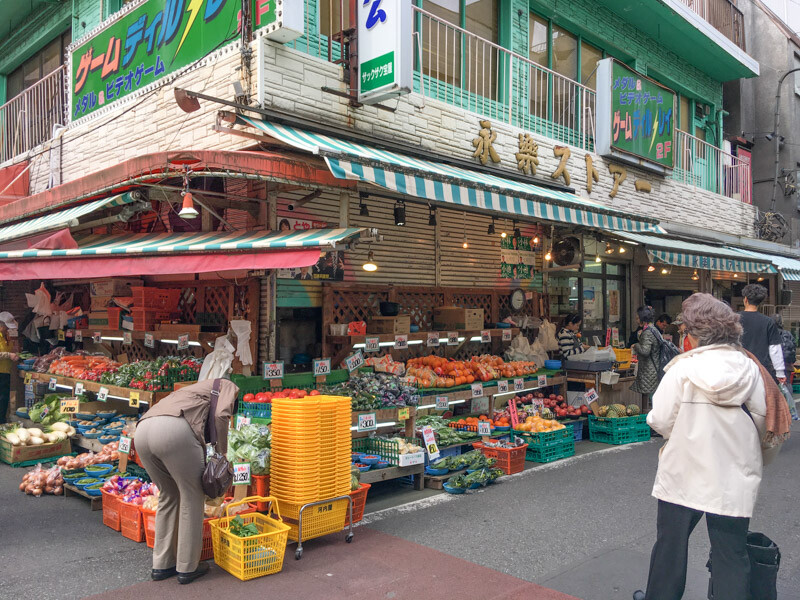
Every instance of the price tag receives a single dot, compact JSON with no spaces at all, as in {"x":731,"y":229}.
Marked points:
{"x":615,"y":335}
{"x":404,"y":414}
{"x":400,"y":342}
{"x":127,"y":338}
{"x":52,"y":385}
{"x":538,"y":404}
{"x":433,"y":339}
{"x":367,"y":422}
{"x":477,"y":390}
{"x":452,"y":338}
{"x":512,"y":409}
{"x":61,"y":336}
{"x":78,"y":335}
{"x":69,"y":407}
{"x":149,"y":340}
{"x":124,"y":445}
{"x":541,"y":381}
{"x":519,"y":384}
{"x":69,"y":333}
{"x":502,"y":386}
{"x":27,"y":378}
{"x":442,"y":403}
{"x":506,"y":335}
{"x":183,"y":341}
{"x":273,"y":370}
{"x":79,"y":388}
{"x":241,"y":473}
{"x":486,"y":336}
{"x":430,"y":442}
{"x":322,"y":367}
{"x":241,"y":421}
{"x":372,"y":344}
{"x":133,"y":399}
{"x":354,"y":361}
{"x":102,"y":395}
{"x":484,"y":428}
{"x":590,"y":396}
{"x":96,"y":337}
{"x":479,"y":405}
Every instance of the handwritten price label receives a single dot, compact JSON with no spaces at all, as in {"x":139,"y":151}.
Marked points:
{"x":519,"y":384}
{"x":484,"y":428}
{"x":149,"y":340}
{"x":241,"y":473}
{"x":78,"y":335}
{"x":400,"y":342}
{"x":96,"y":337}
{"x":430,"y":442}
{"x":27,"y":378}
{"x":241,"y":421}
{"x":433,"y":339}
{"x":479,"y":405}
{"x":69,"y":407}
{"x":127,"y":338}
{"x":486,"y":336}
{"x":538,"y":404}
{"x":273,"y":370}
{"x":477,"y":390}
{"x":354,"y":361}
{"x":512,"y":409}
{"x":367,"y":422}
{"x":133,"y":399}
{"x":442,"y":403}
{"x":61,"y":336}
{"x":452,"y":338}
{"x":183,"y":341}
{"x":102,"y":395}
{"x":590,"y":396}
{"x":541,"y":381}
{"x":506,"y":335}
{"x":404,"y":414}
{"x":124,"y":445}
{"x":372,"y":344}
{"x":52,"y":385}
{"x":502,"y":387}
{"x":322,"y":367}
{"x":79,"y":388}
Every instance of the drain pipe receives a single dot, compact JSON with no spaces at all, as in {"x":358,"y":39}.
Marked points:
{"x":776,"y":133}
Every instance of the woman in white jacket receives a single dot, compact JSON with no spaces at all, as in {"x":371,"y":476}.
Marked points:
{"x":712,"y":460}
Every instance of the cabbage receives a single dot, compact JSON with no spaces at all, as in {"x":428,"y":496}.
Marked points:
{"x":260,"y":464}
{"x":235,"y":438}
{"x":245,"y":453}
{"x":257,"y":435}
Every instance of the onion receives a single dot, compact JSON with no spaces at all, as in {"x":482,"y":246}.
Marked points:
{"x":58,"y":490}
{"x":22,"y":486}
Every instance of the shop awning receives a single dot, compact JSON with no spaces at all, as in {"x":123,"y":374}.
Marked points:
{"x":173,"y":253}
{"x":679,"y":253}
{"x":58,"y":220}
{"x":445,"y":183}
{"x":789,"y":268}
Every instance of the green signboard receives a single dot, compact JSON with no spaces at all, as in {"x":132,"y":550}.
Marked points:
{"x":516,"y":258}
{"x":144,"y":45}
{"x":635,"y":115}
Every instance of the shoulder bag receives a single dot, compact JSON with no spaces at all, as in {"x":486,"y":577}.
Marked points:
{"x":218,"y":473}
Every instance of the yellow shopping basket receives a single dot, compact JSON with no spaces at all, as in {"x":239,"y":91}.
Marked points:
{"x":254,"y":556}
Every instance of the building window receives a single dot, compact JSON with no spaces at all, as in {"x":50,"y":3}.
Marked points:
{"x":590,"y":56}
{"x":38,"y":66}
{"x":332,"y":19}
{"x":797,"y":74}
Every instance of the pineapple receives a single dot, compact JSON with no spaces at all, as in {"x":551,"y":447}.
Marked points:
{"x":620,"y":408}
{"x":633,"y":410}
{"x":547,"y":414}
{"x":603,"y":411}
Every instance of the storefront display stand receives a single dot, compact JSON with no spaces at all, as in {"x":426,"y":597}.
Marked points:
{"x":376,"y":475}
{"x":205,"y":339}
{"x":123,"y":393}
{"x":388,"y":415}
{"x":87,"y":444}
{"x":95,"y":502}
{"x":436,"y":482}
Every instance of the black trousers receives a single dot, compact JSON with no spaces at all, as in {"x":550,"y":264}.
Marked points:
{"x":730,"y":567}
{"x":5,"y":395}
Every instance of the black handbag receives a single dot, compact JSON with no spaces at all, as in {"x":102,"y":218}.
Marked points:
{"x":765,"y":560}
{"x":218,"y":472}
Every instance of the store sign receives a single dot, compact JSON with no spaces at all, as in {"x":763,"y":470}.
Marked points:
{"x":433,"y":339}
{"x":372,"y":344}
{"x":137,"y":50}
{"x":278,"y":20}
{"x":516,"y":258}
{"x":385,"y":37}
{"x":367,"y":422}
{"x":273,"y":370}
{"x":635,"y":117}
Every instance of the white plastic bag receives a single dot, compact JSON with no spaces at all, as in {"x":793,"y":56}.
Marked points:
{"x":595,"y":354}
{"x":547,"y":335}
{"x":242,"y":330}
{"x":218,"y":363}
{"x":520,"y":349}
{"x":40,"y":301}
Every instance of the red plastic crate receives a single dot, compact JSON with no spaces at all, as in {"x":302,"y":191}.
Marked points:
{"x":130,"y":519}
{"x":144,"y":319}
{"x":359,"y":497}
{"x":510,"y":460}
{"x":111,"y":510}
{"x":149,"y":525}
{"x":156,"y":298}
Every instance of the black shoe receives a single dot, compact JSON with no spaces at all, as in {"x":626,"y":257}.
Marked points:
{"x":638,"y":595}
{"x":201,"y":570}
{"x":162,"y":574}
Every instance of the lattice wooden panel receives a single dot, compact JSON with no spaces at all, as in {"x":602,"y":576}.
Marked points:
{"x":187,"y":305}
{"x":419,"y":305}
{"x":216,"y":299}
{"x":474,"y":300}
{"x":351,"y":305}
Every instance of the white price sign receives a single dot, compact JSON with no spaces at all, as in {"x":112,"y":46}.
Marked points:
{"x":273,"y":370}
{"x":400,"y":342}
{"x":124,"y":445}
{"x":322,"y":367}
{"x":96,"y":337}
{"x":372,"y":344}
{"x":442,"y":403}
{"x":541,"y":381}
{"x":149,"y":340}
{"x":486,"y":336}
{"x":127,"y":338}
{"x":484,"y":428}
{"x":506,"y":335}
{"x":52,"y":385}
{"x":590,"y":396}
{"x":241,"y":473}
{"x":384,"y":49}
{"x":367,"y":422}
{"x":452,"y":338}
{"x":430,"y":442}
{"x":433,"y":339}
{"x":538,"y":404}
{"x":479,"y":405}
{"x":183,"y":341}
{"x":78,"y":335}
{"x":519,"y":384}
{"x":102,"y":395}
{"x":79,"y":388}
{"x":502,"y":386}
{"x":477,"y":390}
{"x":241,"y":421}
{"x":354,"y":361}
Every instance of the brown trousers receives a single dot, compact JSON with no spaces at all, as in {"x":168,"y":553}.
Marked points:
{"x":173,"y":457}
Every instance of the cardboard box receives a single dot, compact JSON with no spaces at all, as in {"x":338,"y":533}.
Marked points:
{"x":100,"y":303}
{"x":16,"y":454}
{"x":176,"y":328}
{"x":100,"y":319}
{"x":453,"y":318}
{"x":391,"y":325}
{"x":113,"y":287}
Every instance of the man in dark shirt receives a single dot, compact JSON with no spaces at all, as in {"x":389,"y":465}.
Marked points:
{"x":761,"y":335}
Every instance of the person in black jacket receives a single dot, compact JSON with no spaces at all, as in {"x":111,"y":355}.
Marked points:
{"x":789,"y":349}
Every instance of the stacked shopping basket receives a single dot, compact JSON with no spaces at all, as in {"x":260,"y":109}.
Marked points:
{"x":310,"y":463}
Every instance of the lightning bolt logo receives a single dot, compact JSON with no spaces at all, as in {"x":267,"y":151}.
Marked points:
{"x":193,"y":9}
{"x":655,"y":127}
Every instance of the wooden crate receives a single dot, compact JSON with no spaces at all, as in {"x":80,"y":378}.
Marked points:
{"x":393,"y":325}
{"x":453,"y":318}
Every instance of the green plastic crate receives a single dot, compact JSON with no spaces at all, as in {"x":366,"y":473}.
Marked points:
{"x":255,"y":384}
{"x":543,"y":439}
{"x":628,"y":431}
{"x":618,"y":424}
{"x":554,"y":451}
{"x":386,"y":449}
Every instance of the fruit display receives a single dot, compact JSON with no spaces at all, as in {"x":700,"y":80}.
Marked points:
{"x":33,"y":436}
{"x":536,"y":424}
{"x":42,"y":481}
{"x":437,"y":372}
{"x":556,"y":407}
{"x":376,"y":390}
{"x":617,"y":411}
{"x":267,"y":397}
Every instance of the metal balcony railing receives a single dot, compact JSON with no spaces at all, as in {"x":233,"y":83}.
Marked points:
{"x":27,"y":119}
{"x":722,"y":15}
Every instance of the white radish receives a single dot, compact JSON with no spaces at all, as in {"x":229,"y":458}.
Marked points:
{"x":13,"y":438}
{"x":36,"y":441}
{"x":35,"y":432}
{"x":60,"y":426}
{"x":23,"y":435}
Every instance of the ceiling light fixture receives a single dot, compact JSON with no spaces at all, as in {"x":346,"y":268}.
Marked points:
{"x":370,"y":265}
{"x":491,"y":229}
{"x":622,"y":250}
{"x":400,"y":213}
{"x":695,"y":276}
{"x":465,"y":245}
{"x":651,"y":268}
{"x":664,"y":271}
{"x":431,"y":216}
{"x":188,"y":211}
{"x":609,"y":249}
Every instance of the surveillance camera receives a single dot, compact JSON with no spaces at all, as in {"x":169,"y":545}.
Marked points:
{"x":290,"y":207}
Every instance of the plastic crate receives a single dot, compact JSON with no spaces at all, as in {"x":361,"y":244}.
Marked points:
{"x":111,"y":510}
{"x":607,"y":431}
{"x":543,"y":439}
{"x":130,"y":519}
{"x":156,"y":298}
{"x":149,"y":525}
{"x":545,"y":454}
{"x":616,"y":424}
{"x":443,"y":453}
{"x":260,"y":410}
{"x":386,"y":449}
{"x":319,"y":520}
{"x":577,"y":427}
{"x":796,"y":388}
{"x":145,"y":319}
{"x":359,"y":497}
{"x":510,"y":460}
{"x":255,"y":384}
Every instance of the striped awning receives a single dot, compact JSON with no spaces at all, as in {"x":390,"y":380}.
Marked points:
{"x":789,"y":268}
{"x":693,"y":255}
{"x":59,"y":220}
{"x":141,"y":244}
{"x":437,"y":181}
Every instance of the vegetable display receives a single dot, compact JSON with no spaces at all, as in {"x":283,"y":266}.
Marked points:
{"x":445,"y":435}
{"x":33,"y":436}
{"x":42,"y":481}
{"x":376,"y":390}
{"x":83,"y":366}
{"x":107,"y":454}
{"x":47,"y":411}
{"x":251,"y":444}
{"x":438,"y":372}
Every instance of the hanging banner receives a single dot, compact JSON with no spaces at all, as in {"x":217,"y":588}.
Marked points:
{"x":635,"y":117}
{"x":329,"y":267}
{"x":516,"y":258}
{"x":385,"y":37}
{"x":143,"y":46}
{"x":278,"y":20}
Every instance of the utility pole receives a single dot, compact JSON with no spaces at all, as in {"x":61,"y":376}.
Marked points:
{"x":777,"y":135}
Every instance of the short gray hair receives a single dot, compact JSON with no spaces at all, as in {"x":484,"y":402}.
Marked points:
{"x":711,"y":321}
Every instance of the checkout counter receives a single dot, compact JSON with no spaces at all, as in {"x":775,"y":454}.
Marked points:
{"x":611,"y":379}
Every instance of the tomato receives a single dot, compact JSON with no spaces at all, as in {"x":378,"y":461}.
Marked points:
{"x":249,"y":398}
{"x":261,"y":397}
{"x":313,"y":393}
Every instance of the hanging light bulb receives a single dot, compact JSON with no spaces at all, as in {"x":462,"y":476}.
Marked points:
{"x":549,"y":255}
{"x":622,"y":250}
{"x":695,"y":276}
{"x":399,"y":214}
{"x":651,"y":268}
{"x":465,"y":245}
{"x":760,"y":279}
{"x":609,"y":249}
{"x":536,"y":239}
{"x":664,"y":271}
{"x":491,"y":230}
{"x":735,"y":275}
{"x":370,"y":264}
{"x":597,"y":258}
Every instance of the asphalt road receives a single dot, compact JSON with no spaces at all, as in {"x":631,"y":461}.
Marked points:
{"x":583,"y":526}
